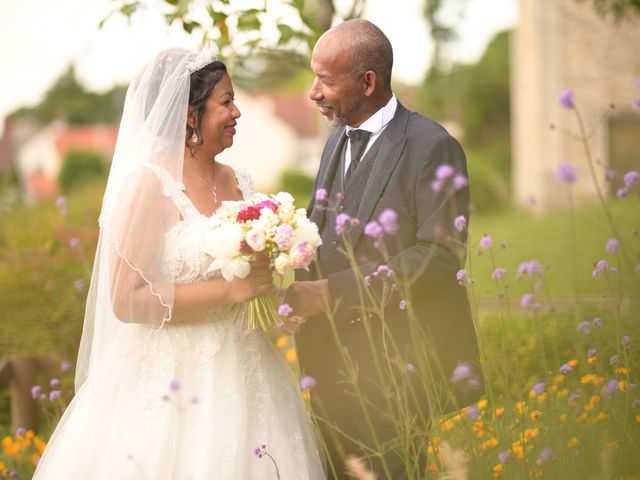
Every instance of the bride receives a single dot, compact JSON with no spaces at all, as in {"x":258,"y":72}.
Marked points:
{"x":168,"y":386}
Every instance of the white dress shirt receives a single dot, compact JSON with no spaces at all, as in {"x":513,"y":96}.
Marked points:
{"x":375,"y":124}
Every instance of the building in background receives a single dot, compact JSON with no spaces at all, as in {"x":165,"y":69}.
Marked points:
{"x":564,"y":44}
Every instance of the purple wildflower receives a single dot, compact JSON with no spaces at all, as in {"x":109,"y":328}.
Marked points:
{"x":307,"y":382}
{"x":257,"y":452}
{"x":545,"y":455}
{"x":613,"y":270}
{"x":367,"y":280}
{"x":403,"y":305}
{"x":21,"y":431}
{"x":584,"y":327}
{"x":610,"y":388}
{"x":174,"y":385}
{"x":285,"y":310}
{"x":566,"y":99}
{"x":626,"y":341}
{"x":321,"y":194}
{"x":388,"y":220}
{"x":499,"y":273}
{"x":631,"y":178}
{"x":529,"y":302}
{"x":472,"y":412}
{"x":611,"y":175}
{"x":373,"y":230}
{"x":614,"y":360}
{"x":54,"y":395}
{"x":437,"y":185}
{"x":636,"y":403}
{"x":463,"y":375}
{"x":459,"y":182}
{"x":411,"y":367}
{"x":341,"y":222}
{"x":74,"y":243}
{"x":530,"y":267}
{"x":539,"y":388}
{"x":566,"y":368}
{"x":61,"y":202}
{"x":597,"y":322}
{"x":566,"y":173}
{"x":35,"y":391}
{"x":485,"y":241}
{"x":612,"y":245}
{"x":504,"y":456}
{"x":460,"y":223}
{"x":79,"y":284}
{"x":65,"y":365}
{"x":622,"y":193}
{"x":54,"y":382}
{"x":444,"y":171}
{"x":591,"y":352}
{"x":461,"y":276}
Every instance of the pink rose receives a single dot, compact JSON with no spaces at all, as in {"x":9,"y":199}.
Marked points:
{"x":255,"y":239}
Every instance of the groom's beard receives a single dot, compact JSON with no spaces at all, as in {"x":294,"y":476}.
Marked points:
{"x":337,"y":121}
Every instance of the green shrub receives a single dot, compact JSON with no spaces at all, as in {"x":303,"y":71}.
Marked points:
{"x":298,"y":184}
{"x":79,"y":167}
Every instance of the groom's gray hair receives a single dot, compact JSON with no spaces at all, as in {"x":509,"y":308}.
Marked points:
{"x":370,"y":49}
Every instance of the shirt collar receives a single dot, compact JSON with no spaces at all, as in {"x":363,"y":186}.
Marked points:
{"x":376,"y":122}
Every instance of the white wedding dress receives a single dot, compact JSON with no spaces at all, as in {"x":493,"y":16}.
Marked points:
{"x":231,"y":393}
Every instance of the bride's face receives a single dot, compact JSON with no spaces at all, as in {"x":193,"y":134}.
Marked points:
{"x":218,"y":124}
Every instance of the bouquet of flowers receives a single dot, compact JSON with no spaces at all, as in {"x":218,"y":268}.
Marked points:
{"x":265,"y":226}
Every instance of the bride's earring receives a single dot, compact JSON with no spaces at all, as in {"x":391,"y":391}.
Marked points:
{"x":194,"y":138}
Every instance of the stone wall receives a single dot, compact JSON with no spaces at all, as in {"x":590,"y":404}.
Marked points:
{"x":562,"y":44}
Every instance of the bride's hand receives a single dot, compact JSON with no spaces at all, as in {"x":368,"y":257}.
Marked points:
{"x":258,"y":282}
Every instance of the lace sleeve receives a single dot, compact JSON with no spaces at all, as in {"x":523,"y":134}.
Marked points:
{"x":245,"y":182}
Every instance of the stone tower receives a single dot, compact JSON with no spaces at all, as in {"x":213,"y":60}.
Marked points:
{"x":564,"y":44}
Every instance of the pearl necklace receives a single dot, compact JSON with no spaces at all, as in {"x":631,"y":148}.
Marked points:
{"x":215,"y":183}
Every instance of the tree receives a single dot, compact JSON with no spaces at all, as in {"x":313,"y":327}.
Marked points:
{"x":69,"y":101}
{"x":618,"y":9}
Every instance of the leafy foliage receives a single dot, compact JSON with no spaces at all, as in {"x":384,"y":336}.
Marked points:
{"x":80,"y":167}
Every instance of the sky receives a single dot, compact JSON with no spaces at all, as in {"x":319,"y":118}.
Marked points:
{"x":40,"y":38}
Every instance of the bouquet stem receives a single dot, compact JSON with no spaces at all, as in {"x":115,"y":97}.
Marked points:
{"x":261,"y":312}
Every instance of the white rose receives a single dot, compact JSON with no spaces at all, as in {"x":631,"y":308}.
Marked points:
{"x":282,"y":263}
{"x":306,"y":231}
{"x":222,"y":241}
{"x":231,"y":268}
{"x":284,"y":198}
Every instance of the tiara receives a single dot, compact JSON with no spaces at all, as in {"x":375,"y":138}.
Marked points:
{"x":209,"y":54}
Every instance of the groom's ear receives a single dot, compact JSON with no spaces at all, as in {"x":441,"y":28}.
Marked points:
{"x":370,"y":81}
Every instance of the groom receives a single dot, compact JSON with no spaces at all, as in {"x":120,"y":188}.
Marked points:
{"x":380,"y":156}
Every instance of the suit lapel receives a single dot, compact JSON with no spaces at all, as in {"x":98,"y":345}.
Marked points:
{"x":393,"y":143}
{"x":327,"y":170}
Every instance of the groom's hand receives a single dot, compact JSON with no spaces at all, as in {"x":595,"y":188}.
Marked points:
{"x":309,"y":298}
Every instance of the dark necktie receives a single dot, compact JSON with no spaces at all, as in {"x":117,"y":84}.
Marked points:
{"x":358,"y":140}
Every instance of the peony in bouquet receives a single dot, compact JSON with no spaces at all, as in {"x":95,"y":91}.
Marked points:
{"x":263,"y":226}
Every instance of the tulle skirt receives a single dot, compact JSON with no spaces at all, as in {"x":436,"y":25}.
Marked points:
{"x":190,"y":401}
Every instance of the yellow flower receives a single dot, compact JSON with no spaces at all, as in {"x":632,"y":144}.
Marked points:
{"x":638,"y":418}
{"x":433,"y":468}
{"x":282,"y":342}
{"x":623,"y":385}
{"x":490,"y":443}
{"x":291,"y":355}
{"x":542,"y":397}
{"x":482,"y":404}
{"x":558,"y":379}
{"x":446,"y":425}
{"x":30,"y":434}
{"x":572,"y":443}
{"x":553,"y":388}
{"x":592,"y":360}
{"x":563,"y":418}
{"x":521,"y":408}
{"x":499,"y":411}
{"x":498,"y":468}
{"x":622,"y":371}
{"x":563,"y":393}
{"x":518,"y":451}
{"x":573,"y":362}
{"x":530,"y":433}
{"x":535,"y":415}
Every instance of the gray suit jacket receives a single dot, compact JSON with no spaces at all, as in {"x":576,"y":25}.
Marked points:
{"x":412,"y":148}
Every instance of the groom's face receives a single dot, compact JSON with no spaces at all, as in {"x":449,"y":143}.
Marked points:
{"x":336,"y":89}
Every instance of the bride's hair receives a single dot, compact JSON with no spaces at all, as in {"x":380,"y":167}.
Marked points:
{"x":201,"y":85}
